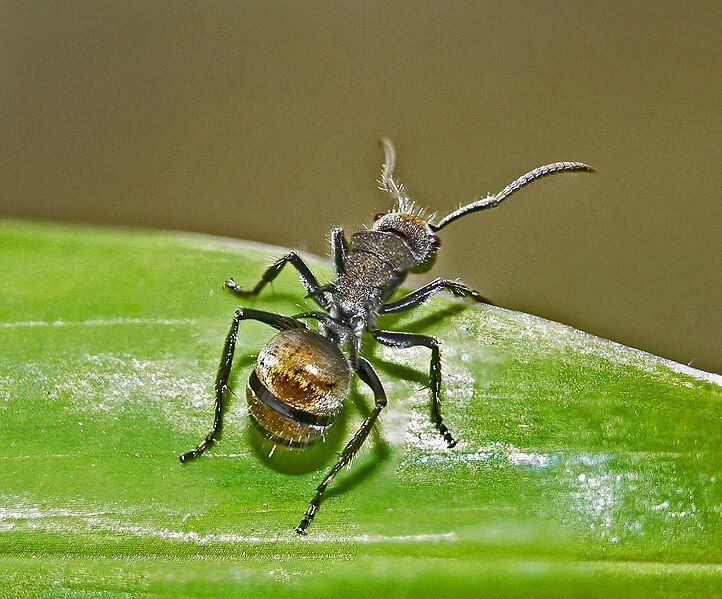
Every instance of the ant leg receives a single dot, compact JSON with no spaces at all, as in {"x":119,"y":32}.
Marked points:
{"x":278,"y":322}
{"x":308,"y":279}
{"x":404,"y":340}
{"x":368,"y":375}
{"x":339,"y":248}
{"x":418,"y":297}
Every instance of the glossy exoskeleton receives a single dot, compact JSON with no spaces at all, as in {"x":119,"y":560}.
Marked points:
{"x":301,"y":377}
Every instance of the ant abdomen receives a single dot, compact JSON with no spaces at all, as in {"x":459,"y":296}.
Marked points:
{"x":298,"y":387}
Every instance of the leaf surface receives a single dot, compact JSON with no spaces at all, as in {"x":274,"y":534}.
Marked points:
{"x":584,"y":467}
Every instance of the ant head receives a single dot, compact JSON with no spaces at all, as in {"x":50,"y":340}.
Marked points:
{"x":414,"y":229}
{"x":412,"y":226}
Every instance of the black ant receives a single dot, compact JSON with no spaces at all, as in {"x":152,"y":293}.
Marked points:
{"x":301,"y":377}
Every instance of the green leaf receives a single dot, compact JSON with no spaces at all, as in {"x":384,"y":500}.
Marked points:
{"x":584,"y":467}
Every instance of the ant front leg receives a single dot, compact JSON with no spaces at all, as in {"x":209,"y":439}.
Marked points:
{"x":278,"y":322}
{"x":368,"y":375}
{"x":308,"y":279}
{"x":404,"y":340}
{"x":418,"y":297}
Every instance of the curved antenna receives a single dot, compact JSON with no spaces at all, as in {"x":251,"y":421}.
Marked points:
{"x":386,"y":182}
{"x":492,"y":201}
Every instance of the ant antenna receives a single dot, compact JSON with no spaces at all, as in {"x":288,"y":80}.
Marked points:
{"x":386,"y":182}
{"x":493,"y":201}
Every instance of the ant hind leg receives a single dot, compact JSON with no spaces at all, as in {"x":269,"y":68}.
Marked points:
{"x":368,"y":375}
{"x":278,"y":322}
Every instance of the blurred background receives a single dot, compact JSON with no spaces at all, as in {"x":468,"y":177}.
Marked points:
{"x":260,"y":120}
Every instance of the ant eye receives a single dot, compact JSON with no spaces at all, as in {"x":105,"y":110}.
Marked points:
{"x":378,"y":215}
{"x":437,"y":240}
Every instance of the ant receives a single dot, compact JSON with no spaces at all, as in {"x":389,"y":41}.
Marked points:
{"x":301,"y":377}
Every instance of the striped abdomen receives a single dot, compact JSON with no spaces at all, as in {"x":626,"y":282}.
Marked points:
{"x":298,"y":387}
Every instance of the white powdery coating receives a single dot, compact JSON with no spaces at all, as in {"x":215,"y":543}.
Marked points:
{"x":550,"y":335}
{"x":35,"y":513}
{"x":421,"y":434}
{"x":593,"y":491}
{"x":67,"y":520}
{"x":115,"y":383}
{"x":525,"y":458}
{"x":710,"y":377}
{"x":19,"y":513}
{"x":202,"y":539}
{"x":596,"y":496}
{"x":599,"y":493}
{"x":7,"y":388}
{"x":99,"y":322}
{"x":493,"y":452}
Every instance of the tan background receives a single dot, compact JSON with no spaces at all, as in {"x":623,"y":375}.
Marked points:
{"x":260,"y":120}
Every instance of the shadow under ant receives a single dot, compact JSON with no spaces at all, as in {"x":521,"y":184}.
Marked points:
{"x":298,"y":461}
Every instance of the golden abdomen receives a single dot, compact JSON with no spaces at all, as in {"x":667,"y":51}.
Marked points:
{"x":298,"y":387}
